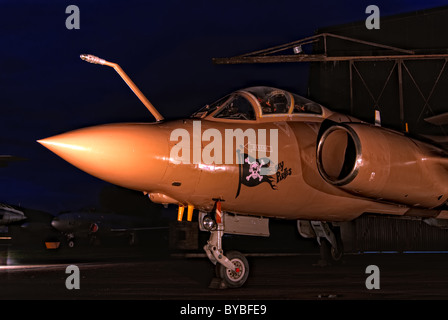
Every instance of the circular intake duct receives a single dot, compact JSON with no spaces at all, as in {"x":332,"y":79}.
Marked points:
{"x":339,"y":155}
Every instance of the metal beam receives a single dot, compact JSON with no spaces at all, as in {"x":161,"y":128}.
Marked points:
{"x":323,"y":58}
{"x":400,"y":93}
{"x":280,"y":54}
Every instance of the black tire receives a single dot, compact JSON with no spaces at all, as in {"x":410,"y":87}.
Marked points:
{"x":71,"y":243}
{"x":231,"y":278}
{"x":329,"y":253}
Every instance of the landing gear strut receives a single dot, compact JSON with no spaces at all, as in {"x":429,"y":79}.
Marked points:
{"x":328,"y":237}
{"x":71,"y":240}
{"x":232,"y":269}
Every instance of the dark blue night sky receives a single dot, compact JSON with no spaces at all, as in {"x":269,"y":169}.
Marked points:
{"x":166,"y":47}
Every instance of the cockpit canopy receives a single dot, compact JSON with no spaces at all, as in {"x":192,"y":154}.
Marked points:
{"x":259,"y":102}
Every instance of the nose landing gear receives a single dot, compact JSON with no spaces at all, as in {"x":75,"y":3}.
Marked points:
{"x":232,"y":270}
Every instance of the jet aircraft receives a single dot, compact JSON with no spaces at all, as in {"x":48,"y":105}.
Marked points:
{"x":93,"y":225}
{"x":6,"y":159}
{"x":261,"y":153}
{"x":9,"y":215}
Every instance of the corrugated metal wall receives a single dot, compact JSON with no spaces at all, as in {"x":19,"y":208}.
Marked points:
{"x":329,"y":84}
{"x":383,"y":233}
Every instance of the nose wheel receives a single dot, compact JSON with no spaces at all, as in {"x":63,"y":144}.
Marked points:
{"x":237,"y":277}
{"x":232,"y":269}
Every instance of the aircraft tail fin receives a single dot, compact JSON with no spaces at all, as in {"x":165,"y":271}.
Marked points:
{"x":438,"y":120}
{"x":437,"y":139}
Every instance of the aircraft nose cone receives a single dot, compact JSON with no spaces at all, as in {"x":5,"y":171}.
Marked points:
{"x":55,"y":223}
{"x":130,"y":155}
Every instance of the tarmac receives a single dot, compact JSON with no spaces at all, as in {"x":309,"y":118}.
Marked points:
{"x":128,"y":274}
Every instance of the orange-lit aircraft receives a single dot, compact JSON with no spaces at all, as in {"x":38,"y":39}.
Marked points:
{"x":263,"y":153}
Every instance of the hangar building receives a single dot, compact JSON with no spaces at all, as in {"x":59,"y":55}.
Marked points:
{"x":401,"y":70}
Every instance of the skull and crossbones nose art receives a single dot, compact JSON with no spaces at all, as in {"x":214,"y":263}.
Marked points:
{"x":250,"y":173}
{"x":254,"y":169}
